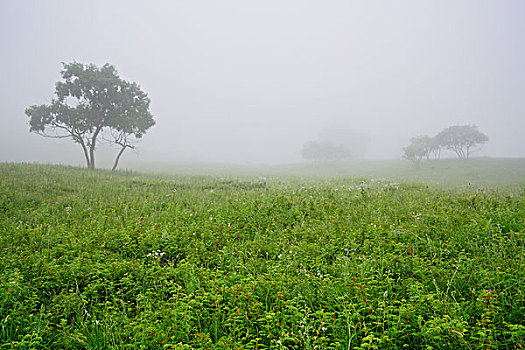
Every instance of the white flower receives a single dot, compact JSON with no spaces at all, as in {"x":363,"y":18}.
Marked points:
{"x":156,"y":254}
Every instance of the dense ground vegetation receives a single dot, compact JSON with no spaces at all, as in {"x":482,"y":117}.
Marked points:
{"x":93,"y":259}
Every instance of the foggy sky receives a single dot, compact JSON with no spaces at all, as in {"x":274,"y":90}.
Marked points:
{"x":252,"y":81}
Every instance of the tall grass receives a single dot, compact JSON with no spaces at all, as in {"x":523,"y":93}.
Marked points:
{"x":98,"y":260}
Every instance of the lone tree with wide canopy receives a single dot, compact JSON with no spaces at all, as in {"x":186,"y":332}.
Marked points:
{"x":93,"y":104}
{"x":461,"y":139}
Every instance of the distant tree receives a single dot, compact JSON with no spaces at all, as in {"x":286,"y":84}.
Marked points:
{"x":424,"y":142}
{"x":324,"y":151}
{"x":461,"y":139}
{"x":418,"y":148}
{"x":344,"y":135}
{"x":435,"y":148}
{"x":92,"y":101}
{"x":429,"y":145}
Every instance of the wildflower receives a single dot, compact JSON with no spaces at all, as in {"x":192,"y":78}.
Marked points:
{"x":155,"y":254}
{"x":68,"y":209}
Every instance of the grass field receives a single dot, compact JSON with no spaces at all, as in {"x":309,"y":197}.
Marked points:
{"x":478,"y":172}
{"x":370,"y":256}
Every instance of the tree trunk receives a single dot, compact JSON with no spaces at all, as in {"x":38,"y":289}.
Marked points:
{"x":92,"y":147}
{"x":88,"y":161}
{"x":459,"y":151}
{"x":92,"y":158}
{"x":118,"y":158}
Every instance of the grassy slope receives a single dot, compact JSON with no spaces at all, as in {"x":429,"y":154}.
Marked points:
{"x":92,"y":259}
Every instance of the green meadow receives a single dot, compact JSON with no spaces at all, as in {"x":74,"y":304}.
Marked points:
{"x":367,"y":255}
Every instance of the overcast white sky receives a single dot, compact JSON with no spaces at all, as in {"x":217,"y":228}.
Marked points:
{"x":252,"y":81}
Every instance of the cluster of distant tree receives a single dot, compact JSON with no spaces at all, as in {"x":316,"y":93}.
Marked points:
{"x":325,"y":151}
{"x":336,"y":142}
{"x":460,"y":139}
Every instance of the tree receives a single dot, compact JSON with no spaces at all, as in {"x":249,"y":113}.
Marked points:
{"x":418,"y":148}
{"x":324,"y":151}
{"x":435,"y":148}
{"x":89,"y":102}
{"x":345,"y":136}
{"x":461,"y":139}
